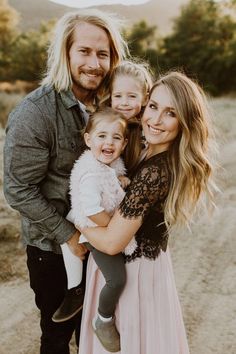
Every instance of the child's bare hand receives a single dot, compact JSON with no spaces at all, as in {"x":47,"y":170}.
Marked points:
{"x":78,"y":249}
{"x":124,"y":181}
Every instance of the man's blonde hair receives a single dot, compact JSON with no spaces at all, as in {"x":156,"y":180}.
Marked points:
{"x":58,"y":70}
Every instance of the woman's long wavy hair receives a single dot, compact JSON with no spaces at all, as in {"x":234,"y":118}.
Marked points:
{"x":58,"y":70}
{"x":193,"y":153}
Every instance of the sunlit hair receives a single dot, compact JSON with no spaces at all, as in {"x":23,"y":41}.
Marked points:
{"x":193,"y":153}
{"x":141,"y":73}
{"x":138,"y":71}
{"x":109,"y":115}
{"x":58,"y":69}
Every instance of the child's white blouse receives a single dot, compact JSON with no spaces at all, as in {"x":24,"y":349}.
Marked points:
{"x":94,"y":187}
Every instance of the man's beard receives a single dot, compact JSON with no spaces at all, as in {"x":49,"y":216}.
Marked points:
{"x":86,"y":82}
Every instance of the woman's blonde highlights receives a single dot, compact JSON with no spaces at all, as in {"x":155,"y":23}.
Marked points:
{"x":193,"y":154}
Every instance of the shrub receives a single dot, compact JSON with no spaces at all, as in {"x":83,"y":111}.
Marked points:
{"x":8,"y":102}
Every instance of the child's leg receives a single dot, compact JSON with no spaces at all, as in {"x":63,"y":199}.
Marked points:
{"x":74,"y":296}
{"x":73,"y":265}
{"x":113,"y":270}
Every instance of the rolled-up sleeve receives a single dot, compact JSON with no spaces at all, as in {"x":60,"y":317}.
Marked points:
{"x":26,"y":161}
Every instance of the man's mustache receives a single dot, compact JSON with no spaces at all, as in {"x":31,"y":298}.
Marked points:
{"x":94,"y":72}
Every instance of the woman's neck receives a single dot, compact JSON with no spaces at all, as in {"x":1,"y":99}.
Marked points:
{"x":154,"y":150}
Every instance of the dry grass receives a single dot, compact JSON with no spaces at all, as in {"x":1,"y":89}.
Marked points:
{"x":7,"y":103}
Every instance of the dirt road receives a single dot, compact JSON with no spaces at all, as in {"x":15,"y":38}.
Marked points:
{"x":204,"y":264}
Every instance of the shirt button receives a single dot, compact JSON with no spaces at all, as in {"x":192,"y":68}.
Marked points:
{"x":40,"y":259}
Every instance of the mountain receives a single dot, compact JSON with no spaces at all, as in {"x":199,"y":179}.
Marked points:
{"x":155,"y":12}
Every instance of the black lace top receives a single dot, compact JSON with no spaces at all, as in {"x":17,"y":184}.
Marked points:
{"x":145,"y":197}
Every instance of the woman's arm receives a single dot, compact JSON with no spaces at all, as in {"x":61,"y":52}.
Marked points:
{"x":113,"y":238}
{"x":149,"y":185}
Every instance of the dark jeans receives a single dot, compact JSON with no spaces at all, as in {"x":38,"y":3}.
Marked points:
{"x":49,"y":282}
{"x":114,"y":272}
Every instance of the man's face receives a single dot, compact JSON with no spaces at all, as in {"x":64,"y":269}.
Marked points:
{"x":89,"y":58}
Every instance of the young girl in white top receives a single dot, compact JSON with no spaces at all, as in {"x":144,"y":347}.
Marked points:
{"x":95,"y":193}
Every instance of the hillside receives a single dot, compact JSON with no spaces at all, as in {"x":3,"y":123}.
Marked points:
{"x":155,"y":12}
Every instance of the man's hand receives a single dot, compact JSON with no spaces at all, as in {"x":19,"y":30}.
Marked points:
{"x":77,"y":248}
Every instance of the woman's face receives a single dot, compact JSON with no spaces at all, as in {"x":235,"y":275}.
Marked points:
{"x":160,"y":122}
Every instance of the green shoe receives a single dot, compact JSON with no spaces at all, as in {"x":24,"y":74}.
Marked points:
{"x":107,"y":334}
{"x":71,"y":305}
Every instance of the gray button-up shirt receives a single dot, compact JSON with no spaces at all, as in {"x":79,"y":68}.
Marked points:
{"x":43,"y":139}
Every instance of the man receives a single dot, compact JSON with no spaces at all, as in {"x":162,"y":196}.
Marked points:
{"x":43,"y":139}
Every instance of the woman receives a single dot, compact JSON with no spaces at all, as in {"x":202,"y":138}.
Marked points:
{"x":164,"y":193}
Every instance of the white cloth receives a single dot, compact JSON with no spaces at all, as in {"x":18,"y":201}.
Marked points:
{"x":73,"y":265}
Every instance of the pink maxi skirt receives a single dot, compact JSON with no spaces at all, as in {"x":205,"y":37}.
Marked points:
{"x":148,"y":314}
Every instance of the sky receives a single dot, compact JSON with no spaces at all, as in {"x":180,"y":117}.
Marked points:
{"x":89,"y":3}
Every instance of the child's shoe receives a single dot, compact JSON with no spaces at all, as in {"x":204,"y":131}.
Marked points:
{"x":71,"y":305}
{"x":107,"y":334}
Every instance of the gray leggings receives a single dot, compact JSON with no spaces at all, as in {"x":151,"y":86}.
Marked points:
{"x":113,"y":270}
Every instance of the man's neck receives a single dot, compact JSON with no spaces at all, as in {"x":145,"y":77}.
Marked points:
{"x":86,"y":97}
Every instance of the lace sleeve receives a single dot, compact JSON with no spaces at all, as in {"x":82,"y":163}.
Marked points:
{"x":149,"y":187}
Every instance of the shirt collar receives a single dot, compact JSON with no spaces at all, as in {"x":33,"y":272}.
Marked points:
{"x":68,"y":99}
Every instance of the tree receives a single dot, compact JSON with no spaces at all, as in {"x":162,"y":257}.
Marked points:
{"x":203,"y":44}
{"x":22,"y":55}
{"x":143,"y":43}
{"x":9,"y":19}
{"x":29,"y":53}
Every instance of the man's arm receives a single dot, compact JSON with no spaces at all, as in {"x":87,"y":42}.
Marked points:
{"x":26,"y":158}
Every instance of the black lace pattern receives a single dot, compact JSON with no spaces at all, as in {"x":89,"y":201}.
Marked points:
{"x":145,"y":197}
{"x":146,"y":248}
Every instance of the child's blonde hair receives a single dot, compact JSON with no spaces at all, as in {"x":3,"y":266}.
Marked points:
{"x":108,"y":114}
{"x":141,"y":72}
{"x":193,"y":153}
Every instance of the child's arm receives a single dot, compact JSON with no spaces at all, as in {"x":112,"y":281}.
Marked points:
{"x":120,"y":170}
{"x":101,"y":219}
{"x":124,"y":181}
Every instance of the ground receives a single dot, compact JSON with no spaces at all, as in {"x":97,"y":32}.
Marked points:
{"x":204,"y":265}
